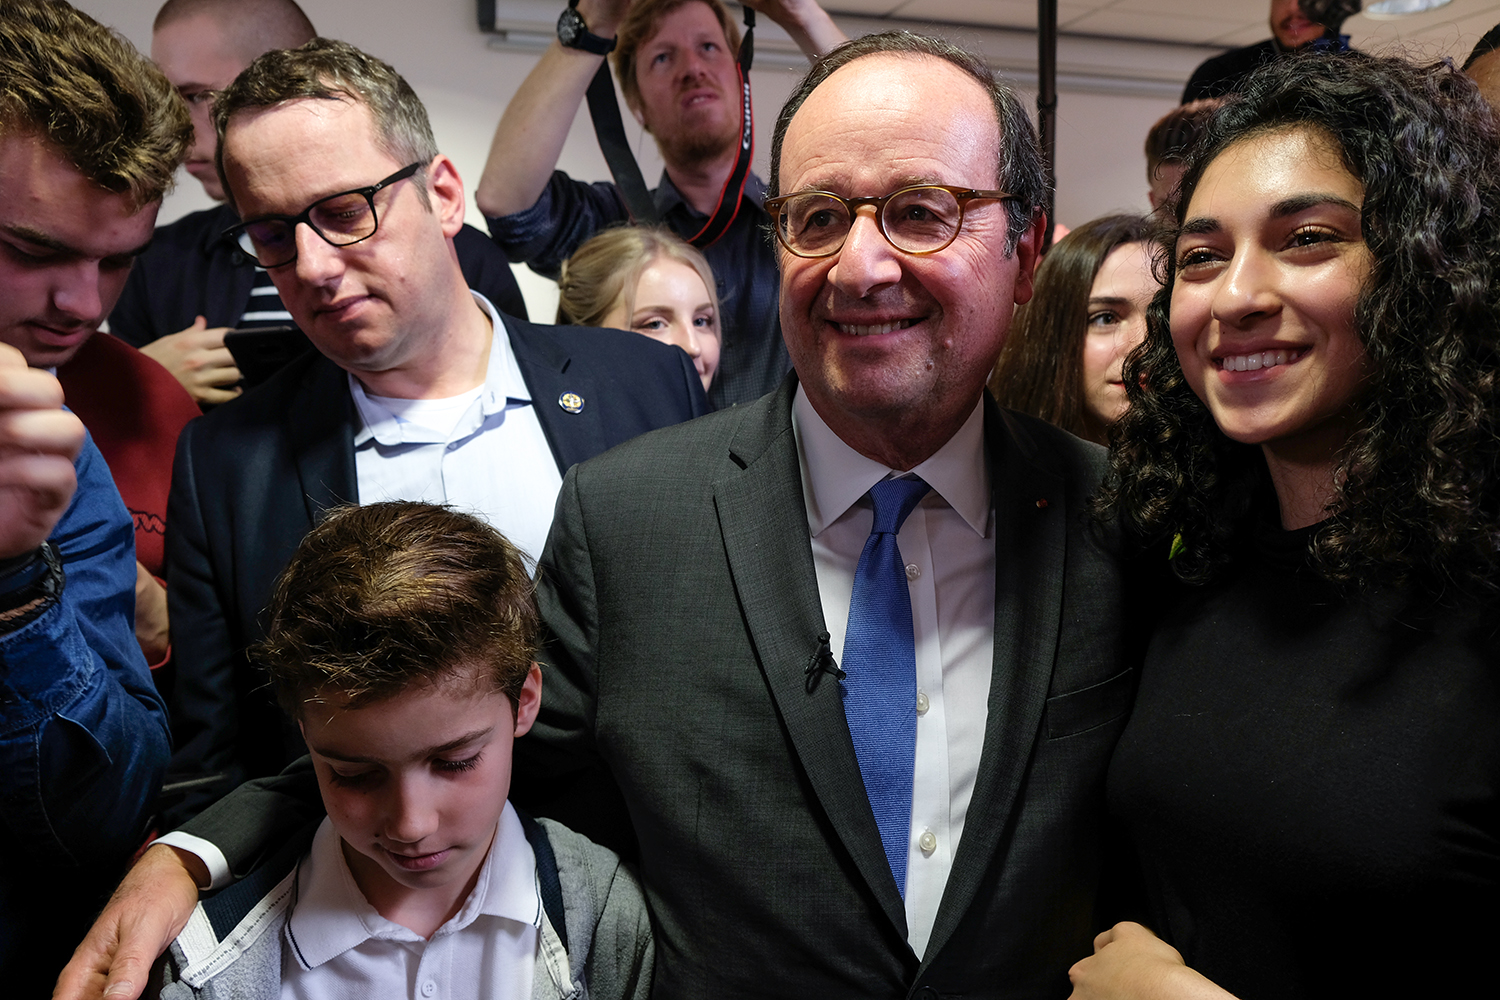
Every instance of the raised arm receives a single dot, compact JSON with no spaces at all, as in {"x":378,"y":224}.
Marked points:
{"x":808,"y":24}
{"x":531,"y":133}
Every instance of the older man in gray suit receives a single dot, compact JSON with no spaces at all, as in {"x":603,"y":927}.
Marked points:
{"x":850,"y":656}
{"x":705,"y":586}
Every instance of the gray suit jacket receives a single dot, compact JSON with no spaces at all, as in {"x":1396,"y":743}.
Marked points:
{"x":678,"y":583}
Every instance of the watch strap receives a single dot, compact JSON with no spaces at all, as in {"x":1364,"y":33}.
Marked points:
{"x":576,"y":34}
{"x":30,"y":589}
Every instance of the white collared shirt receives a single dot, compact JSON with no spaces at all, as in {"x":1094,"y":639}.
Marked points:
{"x":482,"y":451}
{"x":337,"y":947}
{"x":948,"y":545}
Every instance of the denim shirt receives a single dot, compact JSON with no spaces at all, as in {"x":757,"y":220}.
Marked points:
{"x":753,"y":358}
{"x":83,"y":733}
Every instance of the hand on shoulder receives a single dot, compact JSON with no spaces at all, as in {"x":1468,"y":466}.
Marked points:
{"x":141,"y":919}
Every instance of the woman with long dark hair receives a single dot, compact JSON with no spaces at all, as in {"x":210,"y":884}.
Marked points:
{"x":1062,"y":359}
{"x":1309,"y":778}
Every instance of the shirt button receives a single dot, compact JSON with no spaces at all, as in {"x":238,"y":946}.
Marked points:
{"x":927,"y":842}
{"x":922,"y":703}
{"x":913,"y":571}
{"x":429,"y":988}
{"x":454,"y":447}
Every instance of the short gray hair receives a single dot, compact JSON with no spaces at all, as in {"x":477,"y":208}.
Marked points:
{"x":1020,"y":172}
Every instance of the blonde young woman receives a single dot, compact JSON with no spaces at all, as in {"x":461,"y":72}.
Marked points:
{"x":647,"y":280}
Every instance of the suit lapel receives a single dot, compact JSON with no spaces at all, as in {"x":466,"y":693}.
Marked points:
{"x":1030,"y":545}
{"x":763,"y":519}
{"x":545,"y":368}
{"x":320,"y":422}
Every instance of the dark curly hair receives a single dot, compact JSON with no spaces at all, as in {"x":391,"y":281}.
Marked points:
{"x":1040,"y":368}
{"x":1415,"y":492}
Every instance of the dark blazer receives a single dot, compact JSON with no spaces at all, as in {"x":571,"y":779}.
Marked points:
{"x":187,"y":272}
{"x":678,"y":582}
{"x":253,"y":476}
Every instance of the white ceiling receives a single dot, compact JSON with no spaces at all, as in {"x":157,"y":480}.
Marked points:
{"x":1198,"y":22}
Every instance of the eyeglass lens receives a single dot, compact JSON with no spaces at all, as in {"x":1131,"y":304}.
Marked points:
{"x":917,"y":220}
{"x":341,"y":220}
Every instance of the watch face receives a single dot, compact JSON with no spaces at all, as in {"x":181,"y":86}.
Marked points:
{"x":569,"y":26}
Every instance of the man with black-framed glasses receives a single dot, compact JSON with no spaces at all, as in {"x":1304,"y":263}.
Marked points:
{"x":419,"y":389}
{"x":342,"y":219}
{"x":189,"y":288}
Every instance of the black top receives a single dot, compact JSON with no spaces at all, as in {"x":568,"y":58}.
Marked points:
{"x":1310,"y":783}
{"x":1223,"y":74}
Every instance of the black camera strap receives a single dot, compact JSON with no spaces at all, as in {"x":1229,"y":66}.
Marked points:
{"x":609,"y":128}
{"x":604,"y":109}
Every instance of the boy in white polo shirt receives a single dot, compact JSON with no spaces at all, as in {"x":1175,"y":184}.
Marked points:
{"x":402,"y":642}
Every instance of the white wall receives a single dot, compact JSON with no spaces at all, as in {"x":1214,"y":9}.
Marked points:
{"x":465,"y":83}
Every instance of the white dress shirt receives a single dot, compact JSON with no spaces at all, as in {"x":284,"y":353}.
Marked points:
{"x":482,"y":451}
{"x":948,"y":546}
{"x":336,"y":947}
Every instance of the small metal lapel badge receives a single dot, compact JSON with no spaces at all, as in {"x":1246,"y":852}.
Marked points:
{"x":571,"y":401}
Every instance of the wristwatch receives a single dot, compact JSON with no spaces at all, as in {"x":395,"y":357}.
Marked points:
{"x":29,"y":586}
{"x":575,"y":34}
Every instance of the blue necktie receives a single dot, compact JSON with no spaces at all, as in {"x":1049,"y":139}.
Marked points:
{"x":880,"y":658}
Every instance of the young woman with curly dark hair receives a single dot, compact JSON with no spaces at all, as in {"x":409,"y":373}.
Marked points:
{"x":1310,"y":779}
{"x":1062,"y":359}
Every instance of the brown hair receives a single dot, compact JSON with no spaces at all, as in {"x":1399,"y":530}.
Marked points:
{"x":1040,"y":368}
{"x":606,"y":269}
{"x":379,"y":598}
{"x":640,"y":25}
{"x":83,"y":88}
{"x":331,"y":70}
{"x":1174,"y":133}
